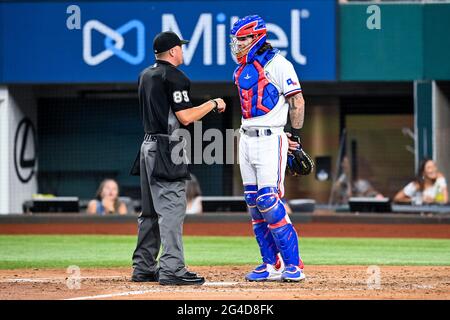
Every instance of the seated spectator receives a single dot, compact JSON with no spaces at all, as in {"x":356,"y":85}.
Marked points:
{"x":363,"y":188}
{"x":343,"y":187}
{"x":193,"y":196}
{"x":107,"y":200}
{"x":429,"y":186}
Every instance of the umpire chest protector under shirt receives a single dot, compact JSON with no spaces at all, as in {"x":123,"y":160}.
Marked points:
{"x":163,"y":90}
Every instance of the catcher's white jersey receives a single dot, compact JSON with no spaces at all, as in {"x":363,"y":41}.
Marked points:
{"x":281,"y":73}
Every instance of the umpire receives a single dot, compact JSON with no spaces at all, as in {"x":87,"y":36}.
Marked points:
{"x":165,"y":104}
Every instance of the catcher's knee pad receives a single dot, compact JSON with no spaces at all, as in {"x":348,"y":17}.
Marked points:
{"x":250,"y":193}
{"x":269,"y":205}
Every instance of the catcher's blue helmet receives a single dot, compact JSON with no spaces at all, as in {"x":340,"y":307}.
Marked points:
{"x":249,"y":26}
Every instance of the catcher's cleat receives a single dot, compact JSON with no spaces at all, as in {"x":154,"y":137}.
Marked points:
{"x":292,"y":274}
{"x":264,"y":272}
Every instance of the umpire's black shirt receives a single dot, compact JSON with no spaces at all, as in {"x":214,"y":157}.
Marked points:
{"x":163,"y":90}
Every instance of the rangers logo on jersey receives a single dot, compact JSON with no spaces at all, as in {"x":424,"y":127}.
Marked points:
{"x":291,"y":83}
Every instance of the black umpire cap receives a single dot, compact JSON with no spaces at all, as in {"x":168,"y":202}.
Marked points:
{"x":166,"y":40}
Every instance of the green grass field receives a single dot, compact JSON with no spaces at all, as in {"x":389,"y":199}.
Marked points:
{"x":115,"y":251}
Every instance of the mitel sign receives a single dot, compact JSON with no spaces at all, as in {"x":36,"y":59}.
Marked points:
{"x":111,"y":41}
{"x":203,"y":30}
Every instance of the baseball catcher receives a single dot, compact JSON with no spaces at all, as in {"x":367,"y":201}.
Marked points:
{"x":269,"y":90}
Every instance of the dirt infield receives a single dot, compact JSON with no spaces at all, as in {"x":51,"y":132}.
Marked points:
{"x":224,"y":283}
{"x":438,"y":231}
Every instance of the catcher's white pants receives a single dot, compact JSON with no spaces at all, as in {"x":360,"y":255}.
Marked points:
{"x":262,"y":160}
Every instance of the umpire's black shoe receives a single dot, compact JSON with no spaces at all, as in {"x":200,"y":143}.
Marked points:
{"x":190,"y":274}
{"x":188,"y":279}
{"x":144,"y":278}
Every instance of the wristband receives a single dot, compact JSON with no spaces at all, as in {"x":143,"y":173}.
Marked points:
{"x":295,"y":132}
{"x":215,"y":105}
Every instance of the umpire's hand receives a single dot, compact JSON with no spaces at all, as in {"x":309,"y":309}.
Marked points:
{"x":220,"y":105}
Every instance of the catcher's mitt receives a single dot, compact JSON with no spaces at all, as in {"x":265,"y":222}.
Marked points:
{"x":299,"y":162}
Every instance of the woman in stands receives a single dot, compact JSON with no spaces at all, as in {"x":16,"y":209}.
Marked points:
{"x":107,"y":200}
{"x":429,"y":187}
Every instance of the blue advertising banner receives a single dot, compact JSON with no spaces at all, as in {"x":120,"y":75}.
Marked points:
{"x":65,"y":42}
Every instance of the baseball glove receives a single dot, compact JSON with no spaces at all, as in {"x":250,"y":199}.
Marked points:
{"x":298,"y":161}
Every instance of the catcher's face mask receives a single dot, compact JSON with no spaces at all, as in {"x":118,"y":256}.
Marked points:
{"x":241,"y":45}
{"x":247,"y":36}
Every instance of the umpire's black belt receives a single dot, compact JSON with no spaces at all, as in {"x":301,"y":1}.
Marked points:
{"x":149,"y":137}
{"x":257,"y":132}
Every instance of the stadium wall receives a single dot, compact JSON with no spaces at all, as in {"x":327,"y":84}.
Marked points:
{"x":412,"y":42}
{"x":19,"y":163}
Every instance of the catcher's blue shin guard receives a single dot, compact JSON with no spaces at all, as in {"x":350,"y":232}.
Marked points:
{"x":265,"y":240}
{"x":282,"y":230}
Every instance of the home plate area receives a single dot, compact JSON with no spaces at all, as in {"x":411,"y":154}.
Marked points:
{"x":227,"y":283}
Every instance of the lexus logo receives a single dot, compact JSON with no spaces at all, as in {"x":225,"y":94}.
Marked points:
{"x":25,"y":151}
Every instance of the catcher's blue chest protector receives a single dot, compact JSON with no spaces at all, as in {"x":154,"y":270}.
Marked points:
{"x":258,"y":96}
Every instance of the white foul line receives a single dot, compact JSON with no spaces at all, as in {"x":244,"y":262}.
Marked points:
{"x":219,"y":284}
{"x":102,"y":296}
{"x":20,"y":280}
{"x":130,"y":293}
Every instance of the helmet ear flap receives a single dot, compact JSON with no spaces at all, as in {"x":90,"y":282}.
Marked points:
{"x":256,"y":45}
